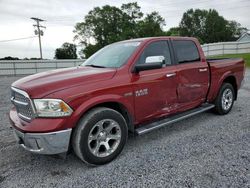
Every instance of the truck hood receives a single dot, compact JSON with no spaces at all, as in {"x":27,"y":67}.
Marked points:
{"x":42,"y":84}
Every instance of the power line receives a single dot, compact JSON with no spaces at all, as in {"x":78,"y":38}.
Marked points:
{"x":10,"y":40}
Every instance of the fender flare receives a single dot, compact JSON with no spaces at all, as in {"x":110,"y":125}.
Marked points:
{"x":95,"y":101}
{"x":220,"y":82}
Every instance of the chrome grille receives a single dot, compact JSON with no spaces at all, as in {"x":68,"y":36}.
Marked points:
{"x":22,"y":103}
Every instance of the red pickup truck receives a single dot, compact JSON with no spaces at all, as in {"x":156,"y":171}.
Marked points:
{"x":130,"y":86}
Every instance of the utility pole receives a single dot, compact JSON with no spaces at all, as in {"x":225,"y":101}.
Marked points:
{"x":39,"y":32}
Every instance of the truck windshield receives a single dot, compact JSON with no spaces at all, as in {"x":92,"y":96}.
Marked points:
{"x":112,"y":56}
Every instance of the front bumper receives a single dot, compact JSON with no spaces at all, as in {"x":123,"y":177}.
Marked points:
{"x":41,"y":135}
{"x":44,"y":143}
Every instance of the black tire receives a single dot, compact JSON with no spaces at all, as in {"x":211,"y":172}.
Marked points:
{"x":219,"y":108}
{"x":80,"y":139}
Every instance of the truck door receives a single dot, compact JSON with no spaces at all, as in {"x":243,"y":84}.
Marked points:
{"x":155,"y":90}
{"x":193,"y":74}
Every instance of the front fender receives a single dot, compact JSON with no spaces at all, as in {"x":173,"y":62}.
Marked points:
{"x":94,"y":101}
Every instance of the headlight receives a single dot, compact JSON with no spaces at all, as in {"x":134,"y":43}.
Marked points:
{"x":52,"y":108}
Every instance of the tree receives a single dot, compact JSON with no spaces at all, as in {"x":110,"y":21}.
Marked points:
{"x":132,"y":15}
{"x":151,"y":25}
{"x":9,"y":58}
{"x":236,"y":29}
{"x":67,"y":51}
{"x":208,"y":26}
{"x":108,"y":24}
{"x":193,"y":23}
{"x":174,"y":31}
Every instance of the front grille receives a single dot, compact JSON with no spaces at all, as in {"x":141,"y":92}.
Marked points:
{"x":22,"y":103}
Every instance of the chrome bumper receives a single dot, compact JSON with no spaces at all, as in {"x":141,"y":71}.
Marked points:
{"x":44,"y":143}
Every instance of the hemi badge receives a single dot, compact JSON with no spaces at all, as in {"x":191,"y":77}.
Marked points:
{"x":128,"y":94}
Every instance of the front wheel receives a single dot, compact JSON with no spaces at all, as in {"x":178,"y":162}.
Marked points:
{"x":225,"y":99}
{"x":100,"y":136}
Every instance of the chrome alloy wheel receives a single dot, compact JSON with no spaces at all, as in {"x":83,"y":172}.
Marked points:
{"x":104,"y":138}
{"x":227,"y":99}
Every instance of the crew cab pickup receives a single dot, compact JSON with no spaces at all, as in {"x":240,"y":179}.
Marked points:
{"x":134,"y":86}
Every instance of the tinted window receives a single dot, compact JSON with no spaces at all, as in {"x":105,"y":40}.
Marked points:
{"x":159,"y":48}
{"x":186,"y":51}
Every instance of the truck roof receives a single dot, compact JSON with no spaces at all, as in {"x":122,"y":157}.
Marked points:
{"x":160,"y":37}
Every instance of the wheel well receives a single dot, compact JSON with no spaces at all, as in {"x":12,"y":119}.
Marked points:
{"x":121,"y":109}
{"x":232,"y":80}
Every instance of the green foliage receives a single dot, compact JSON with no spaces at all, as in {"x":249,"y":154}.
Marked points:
{"x":174,"y":31}
{"x":67,"y":51}
{"x":9,"y":58}
{"x":90,"y":49}
{"x":151,"y":25}
{"x":245,"y":56}
{"x":208,"y":26}
{"x":109,"y":24}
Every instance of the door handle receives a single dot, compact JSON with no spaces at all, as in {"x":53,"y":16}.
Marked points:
{"x":170,"y":74}
{"x":203,"y":70}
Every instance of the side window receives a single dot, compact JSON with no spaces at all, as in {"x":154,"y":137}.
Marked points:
{"x":159,"y":48}
{"x":186,"y":51}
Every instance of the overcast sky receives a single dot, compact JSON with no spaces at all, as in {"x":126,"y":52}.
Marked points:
{"x":62,"y":15}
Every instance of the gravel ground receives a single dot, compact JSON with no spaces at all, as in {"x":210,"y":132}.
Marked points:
{"x":204,"y":151}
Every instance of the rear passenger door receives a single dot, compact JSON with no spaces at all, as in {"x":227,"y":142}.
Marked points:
{"x":193,"y":74}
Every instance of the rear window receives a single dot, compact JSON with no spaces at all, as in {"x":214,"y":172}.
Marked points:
{"x":186,"y":51}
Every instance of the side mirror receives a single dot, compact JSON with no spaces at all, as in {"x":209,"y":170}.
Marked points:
{"x":151,"y":62}
{"x":147,"y":66}
{"x":155,"y":59}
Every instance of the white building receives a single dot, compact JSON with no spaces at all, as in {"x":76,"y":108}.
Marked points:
{"x":244,"y":38}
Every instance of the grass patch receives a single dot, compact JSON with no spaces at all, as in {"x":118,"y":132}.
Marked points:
{"x":246,"y":57}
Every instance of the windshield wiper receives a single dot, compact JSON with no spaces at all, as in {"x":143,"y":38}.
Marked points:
{"x":96,"y":66}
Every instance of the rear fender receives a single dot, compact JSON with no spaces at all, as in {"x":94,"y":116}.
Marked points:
{"x":215,"y":86}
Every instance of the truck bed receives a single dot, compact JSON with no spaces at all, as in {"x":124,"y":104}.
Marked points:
{"x":222,"y":67}
{"x":223,"y":60}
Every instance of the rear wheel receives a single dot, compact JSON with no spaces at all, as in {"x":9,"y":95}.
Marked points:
{"x":225,"y":99}
{"x":100,"y":136}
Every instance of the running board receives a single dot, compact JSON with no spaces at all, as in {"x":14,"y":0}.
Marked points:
{"x":172,"y":119}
